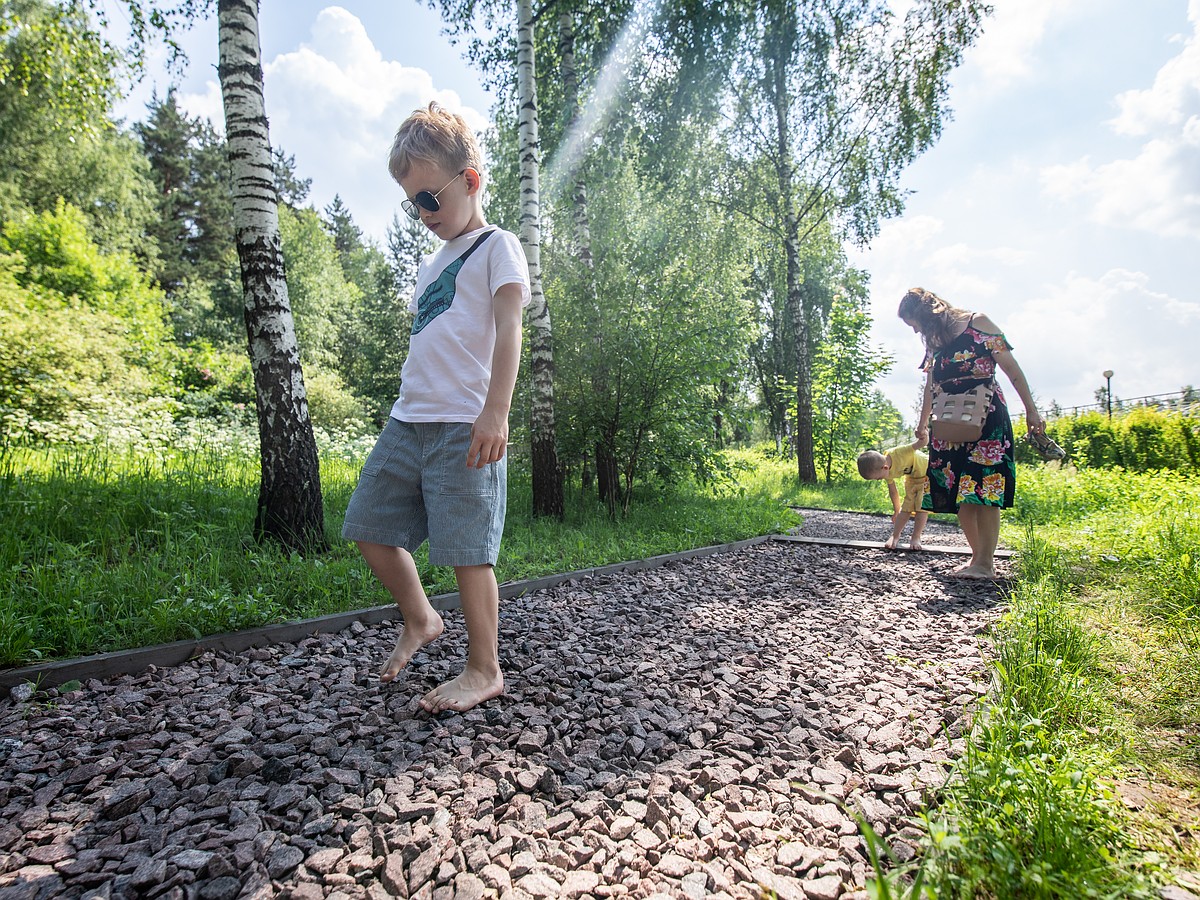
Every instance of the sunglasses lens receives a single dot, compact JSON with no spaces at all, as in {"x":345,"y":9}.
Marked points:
{"x":411,"y":208}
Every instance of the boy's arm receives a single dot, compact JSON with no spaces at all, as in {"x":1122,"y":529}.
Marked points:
{"x":489,"y":434}
{"x":895,"y":495}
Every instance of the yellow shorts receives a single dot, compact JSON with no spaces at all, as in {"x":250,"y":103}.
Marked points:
{"x":914,"y":491}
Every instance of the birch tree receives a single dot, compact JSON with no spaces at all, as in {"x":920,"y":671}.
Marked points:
{"x":290,"y":507}
{"x":838,"y":96}
{"x":547,"y":472}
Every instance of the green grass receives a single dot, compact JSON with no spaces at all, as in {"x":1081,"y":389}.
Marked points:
{"x":1094,"y":666}
{"x":103,"y":551}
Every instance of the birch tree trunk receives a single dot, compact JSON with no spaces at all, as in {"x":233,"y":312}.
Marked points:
{"x":290,"y":508}
{"x":784,"y":39}
{"x":547,"y":473}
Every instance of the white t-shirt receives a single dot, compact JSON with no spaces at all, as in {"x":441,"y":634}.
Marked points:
{"x":449,"y":366}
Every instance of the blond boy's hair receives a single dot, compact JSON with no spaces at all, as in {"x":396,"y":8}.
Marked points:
{"x":870,"y":462}
{"x":435,"y":135}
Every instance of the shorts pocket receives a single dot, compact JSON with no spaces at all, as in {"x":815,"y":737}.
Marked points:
{"x":384,"y":449}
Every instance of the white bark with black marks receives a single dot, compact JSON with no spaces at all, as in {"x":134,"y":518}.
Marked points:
{"x":547,"y":473}
{"x":290,"y":507}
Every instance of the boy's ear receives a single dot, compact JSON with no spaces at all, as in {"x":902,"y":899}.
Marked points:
{"x":473,"y":179}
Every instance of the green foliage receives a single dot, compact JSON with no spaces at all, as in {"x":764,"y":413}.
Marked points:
{"x":331,"y":403}
{"x":194,"y":224}
{"x":85,"y":350}
{"x":1044,"y":658}
{"x":843,"y":372}
{"x":380,"y":330}
{"x":645,"y":338}
{"x":323,"y":302}
{"x":57,"y":83}
{"x":1028,"y":811}
{"x":1026,"y":817}
{"x":1141,"y":439}
{"x":215,"y":383}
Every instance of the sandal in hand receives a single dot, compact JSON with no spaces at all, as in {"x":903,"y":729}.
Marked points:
{"x":1045,"y":447}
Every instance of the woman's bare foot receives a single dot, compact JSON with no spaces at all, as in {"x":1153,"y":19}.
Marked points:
{"x":460,"y":694}
{"x":411,"y":639}
{"x":976,"y":573}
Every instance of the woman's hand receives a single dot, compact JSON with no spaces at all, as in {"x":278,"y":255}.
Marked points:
{"x":922,"y":434}
{"x":1034,"y":421}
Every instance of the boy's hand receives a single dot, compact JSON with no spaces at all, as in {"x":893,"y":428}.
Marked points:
{"x":489,"y":440}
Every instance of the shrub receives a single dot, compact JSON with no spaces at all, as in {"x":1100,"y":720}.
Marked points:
{"x":1142,"y":439}
{"x":86,"y":346}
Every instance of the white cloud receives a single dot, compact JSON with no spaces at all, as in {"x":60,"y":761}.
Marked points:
{"x":1175,"y":96}
{"x":1072,"y":331}
{"x":1012,"y":35}
{"x":335,"y":103}
{"x":1066,"y":328}
{"x":1158,"y":189}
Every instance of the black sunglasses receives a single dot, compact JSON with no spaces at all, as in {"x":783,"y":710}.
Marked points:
{"x":425,"y":200}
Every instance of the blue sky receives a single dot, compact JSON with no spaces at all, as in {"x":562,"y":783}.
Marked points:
{"x":1063,"y":198}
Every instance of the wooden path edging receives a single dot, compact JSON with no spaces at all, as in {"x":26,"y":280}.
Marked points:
{"x":125,"y":662}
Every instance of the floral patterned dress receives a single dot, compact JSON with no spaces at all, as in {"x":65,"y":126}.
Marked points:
{"x":982,"y":471}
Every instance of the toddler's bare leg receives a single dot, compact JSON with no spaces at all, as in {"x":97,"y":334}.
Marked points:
{"x":395,"y":568}
{"x":919,"y":521}
{"x":481,"y":678}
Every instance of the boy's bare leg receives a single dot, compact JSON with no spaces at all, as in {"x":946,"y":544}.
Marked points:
{"x":919,"y":521}
{"x":899,"y":520}
{"x":395,"y":568}
{"x":481,"y":678}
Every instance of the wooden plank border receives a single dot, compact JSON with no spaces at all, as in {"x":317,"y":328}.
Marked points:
{"x":124,"y":662}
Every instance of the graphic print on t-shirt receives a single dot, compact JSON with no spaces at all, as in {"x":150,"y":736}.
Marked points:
{"x":438,"y":297}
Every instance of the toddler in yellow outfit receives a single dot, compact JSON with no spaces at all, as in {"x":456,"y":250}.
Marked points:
{"x":909,"y":463}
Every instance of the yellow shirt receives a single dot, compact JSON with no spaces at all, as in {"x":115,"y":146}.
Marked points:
{"x":913,"y":466}
{"x":907,"y":462}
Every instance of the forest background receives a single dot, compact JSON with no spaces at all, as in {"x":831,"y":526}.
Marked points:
{"x":712,"y":305}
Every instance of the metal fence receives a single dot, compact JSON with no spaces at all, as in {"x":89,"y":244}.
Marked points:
{"x":1186,"y":401}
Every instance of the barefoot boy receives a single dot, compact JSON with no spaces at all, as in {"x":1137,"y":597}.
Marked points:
{"x":438,"y":470}
{"x":907,"y":461}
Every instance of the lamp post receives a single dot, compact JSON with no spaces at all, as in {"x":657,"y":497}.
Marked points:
{"x":1108,"y":374}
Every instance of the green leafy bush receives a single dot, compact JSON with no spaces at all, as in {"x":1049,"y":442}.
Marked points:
{"x":1140,"y":440}
{"x":86,"y":347}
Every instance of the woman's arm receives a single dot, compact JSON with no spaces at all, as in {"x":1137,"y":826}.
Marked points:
{"x":1008,"y":363}
{"x":922,"y":431}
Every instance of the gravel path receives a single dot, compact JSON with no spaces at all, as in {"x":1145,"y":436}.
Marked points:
{"x":849,"y":526}
{"x":700,"y":729}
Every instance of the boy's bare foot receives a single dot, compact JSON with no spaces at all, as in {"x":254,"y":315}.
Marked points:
{"x":460,"y":694}
{"x":889,"y":544}
{"x":410,"y":641}
{"x":914,"y":545}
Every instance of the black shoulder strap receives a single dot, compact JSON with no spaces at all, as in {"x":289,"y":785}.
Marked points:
{"x":475,"y":246}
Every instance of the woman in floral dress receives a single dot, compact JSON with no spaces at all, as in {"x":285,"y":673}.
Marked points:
{"x":973,"y":479}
